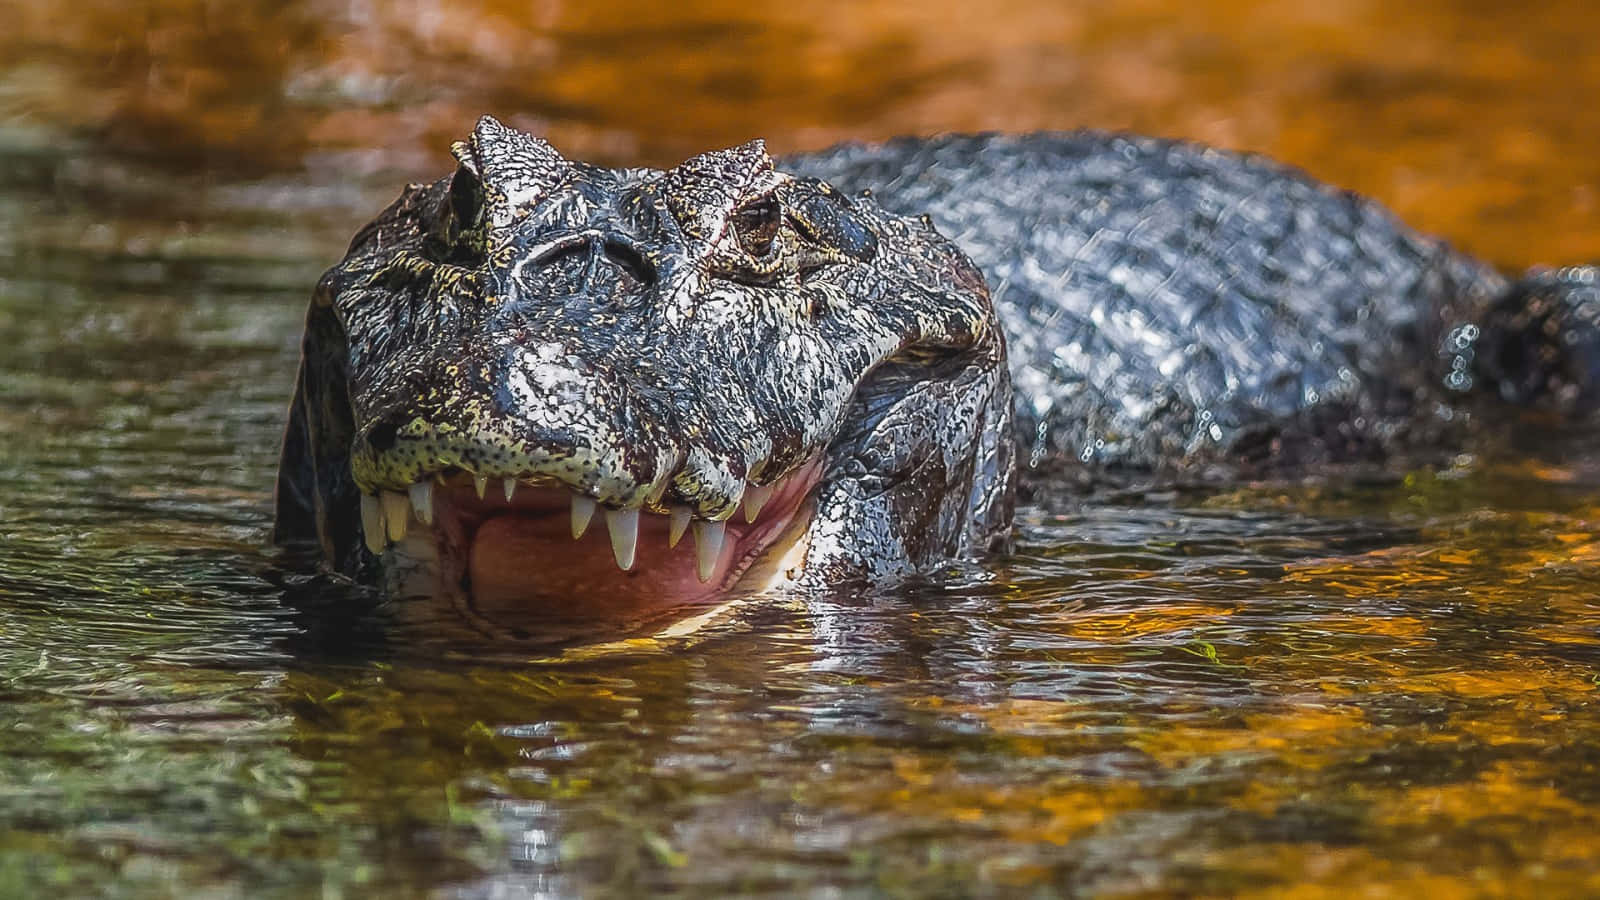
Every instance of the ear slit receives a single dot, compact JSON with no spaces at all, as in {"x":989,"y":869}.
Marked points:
{"x":466,"y":199}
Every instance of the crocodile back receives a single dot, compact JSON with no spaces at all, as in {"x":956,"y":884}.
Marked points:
{"x":1167,"y":303}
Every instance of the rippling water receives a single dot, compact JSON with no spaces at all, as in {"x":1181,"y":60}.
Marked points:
{"x":1379,"y":682}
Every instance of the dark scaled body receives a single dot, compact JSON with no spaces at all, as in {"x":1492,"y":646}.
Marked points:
{"x":897,"y":326}
{"x":1170,"y":304}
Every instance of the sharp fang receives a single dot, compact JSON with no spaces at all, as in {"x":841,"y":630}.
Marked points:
{"x":755,"y":497}
{"x":582,"y":512}
{"x":396,"y":513}
{"x":511,"y":488}
{"x":422,"y":501}
{"x":678,"y":524}
{"x":480,"y":483}
{"x":659,"y":492}
{"x":624,"y":526}
{"x":372,"y":523}
{"x":708,"y":538}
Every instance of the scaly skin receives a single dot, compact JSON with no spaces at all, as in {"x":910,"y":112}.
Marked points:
{"x":658,"y":342}
{"x":669,"y":342}
{"x":1169,"y":304}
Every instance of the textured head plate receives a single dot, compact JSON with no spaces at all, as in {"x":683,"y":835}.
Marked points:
{"x":655,"y":340}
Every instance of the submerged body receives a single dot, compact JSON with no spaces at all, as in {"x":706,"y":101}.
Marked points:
{"x":831,"y":368}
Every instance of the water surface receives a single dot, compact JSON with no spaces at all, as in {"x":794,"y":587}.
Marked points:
{"x":1381,"y":682}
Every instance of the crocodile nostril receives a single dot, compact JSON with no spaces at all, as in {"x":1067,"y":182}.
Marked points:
{"x":630,"y":260}
{"x":587,"y":246}
{"x":383,"y":435}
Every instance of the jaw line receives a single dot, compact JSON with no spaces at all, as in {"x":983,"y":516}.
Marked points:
{"x":434,"y":563}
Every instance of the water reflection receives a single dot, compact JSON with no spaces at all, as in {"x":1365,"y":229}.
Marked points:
{"x":1164,"y":706}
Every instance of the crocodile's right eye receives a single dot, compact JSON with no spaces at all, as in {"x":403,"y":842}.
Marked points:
{"x":756,"y":226}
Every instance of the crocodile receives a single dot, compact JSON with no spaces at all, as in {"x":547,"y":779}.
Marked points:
{"x":836,"y":368}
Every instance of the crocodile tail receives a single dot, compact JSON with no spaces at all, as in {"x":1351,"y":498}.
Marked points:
{"x":1540,"y":345}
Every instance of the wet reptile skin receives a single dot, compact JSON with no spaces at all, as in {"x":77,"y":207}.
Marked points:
{"x":1168,"y":304}
{"x":657,"y":340}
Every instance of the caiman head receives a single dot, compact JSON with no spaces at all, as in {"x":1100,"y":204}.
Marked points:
{"x":744,"y":379}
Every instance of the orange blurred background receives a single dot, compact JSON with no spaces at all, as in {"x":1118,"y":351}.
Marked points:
{"x":1472,"y":118}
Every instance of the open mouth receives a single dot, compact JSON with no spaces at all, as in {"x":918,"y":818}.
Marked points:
{"x":530,"y":548}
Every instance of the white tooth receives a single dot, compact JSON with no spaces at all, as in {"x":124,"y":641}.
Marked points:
{"x":678,"y":524}
{"x":757,"y":468}
{"x":708,"y":546}
{"x":372,"y":523}
{"x":755,"y":497}
{"x":422,"y":501}
{"x":659,"y":492}
{"x":511,"y":488}
{"x":396,"y":513}
{"x":582,"y":512}
{"x":624,"y":526}
{"x":480,"y":483}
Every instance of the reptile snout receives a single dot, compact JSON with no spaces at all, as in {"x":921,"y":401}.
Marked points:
{"x":591,"y":249}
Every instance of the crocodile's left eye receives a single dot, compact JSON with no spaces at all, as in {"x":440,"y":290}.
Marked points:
{"x":756,"y":225}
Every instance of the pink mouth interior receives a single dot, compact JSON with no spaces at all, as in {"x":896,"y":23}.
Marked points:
{"x":519,"y":560}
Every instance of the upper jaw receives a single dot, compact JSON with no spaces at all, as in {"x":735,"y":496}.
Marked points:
{"x":389,"y":515}
{"x":618,"y":425}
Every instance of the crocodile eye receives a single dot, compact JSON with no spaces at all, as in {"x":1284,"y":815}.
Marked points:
{"x":756,"y":225}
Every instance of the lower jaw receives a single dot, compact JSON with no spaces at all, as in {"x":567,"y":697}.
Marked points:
{"x":508,"y":579}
